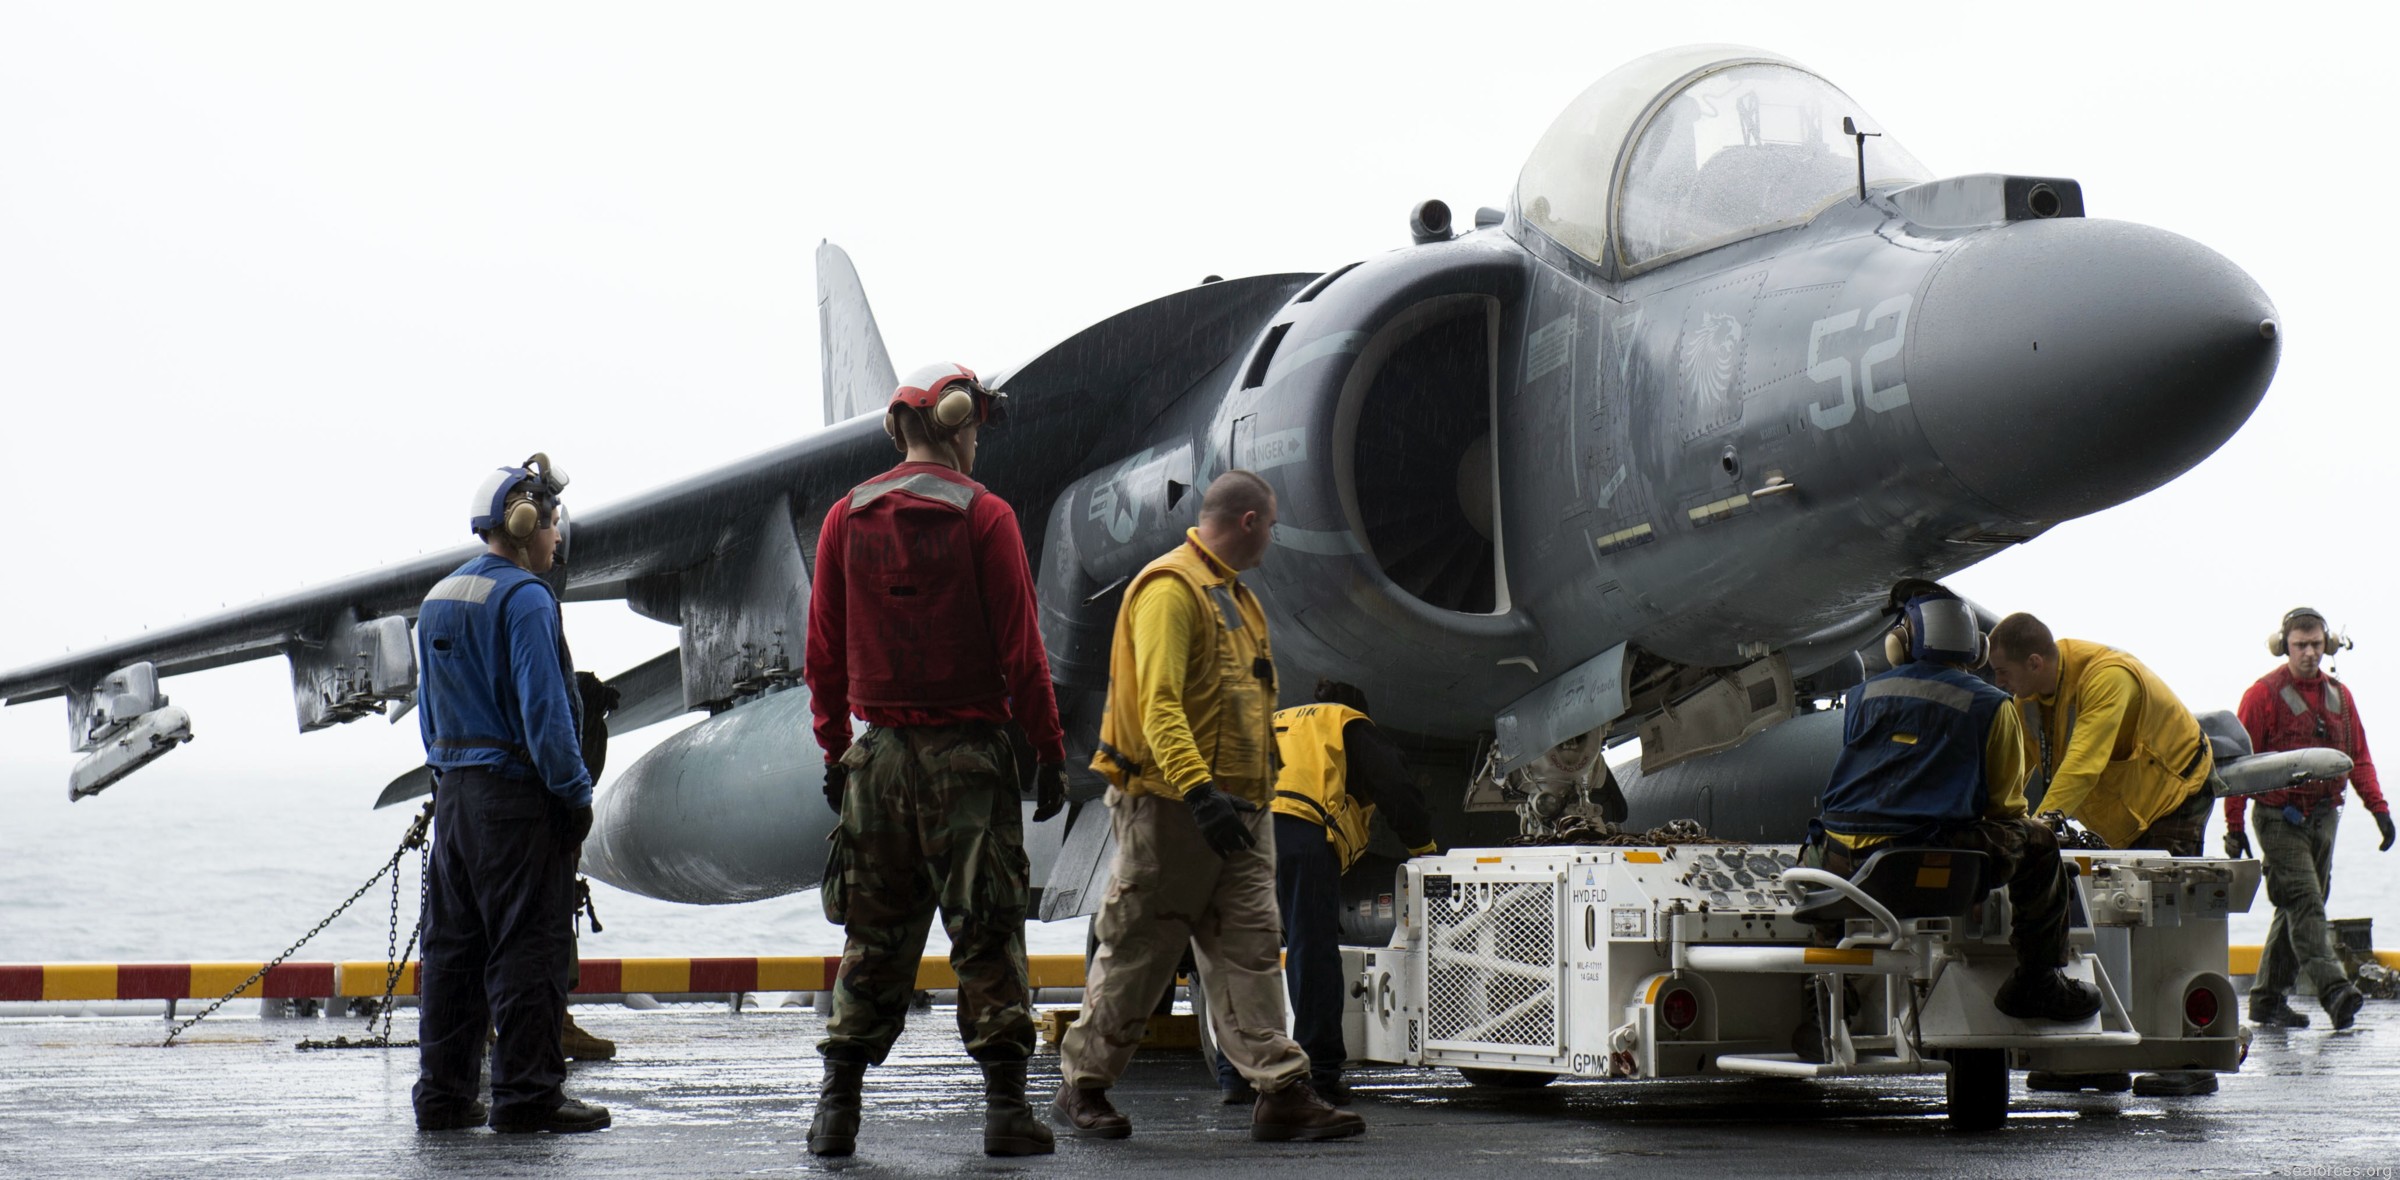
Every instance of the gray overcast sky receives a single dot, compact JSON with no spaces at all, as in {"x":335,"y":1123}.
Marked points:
{"x":278,"y":283}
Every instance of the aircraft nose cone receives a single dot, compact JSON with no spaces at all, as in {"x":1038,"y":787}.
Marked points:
{"x":2061,"y":367}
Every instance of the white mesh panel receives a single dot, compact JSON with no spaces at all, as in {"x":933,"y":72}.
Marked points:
{"x":1491,"y":971}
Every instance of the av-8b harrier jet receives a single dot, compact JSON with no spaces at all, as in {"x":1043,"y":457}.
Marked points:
{"x":1640,"y":453}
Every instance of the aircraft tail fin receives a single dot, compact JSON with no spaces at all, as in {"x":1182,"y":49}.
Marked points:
{"x":858,"y":376}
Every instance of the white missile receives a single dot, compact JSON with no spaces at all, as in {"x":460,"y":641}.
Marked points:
{"x":2255,"y":773}
{"x":129,"y":749}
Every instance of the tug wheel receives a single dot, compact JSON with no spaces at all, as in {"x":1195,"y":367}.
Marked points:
{"x":1506,"y":1079}
{"x":1978,"y":1089}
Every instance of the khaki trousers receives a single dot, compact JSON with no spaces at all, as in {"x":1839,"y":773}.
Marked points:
{"x":1169,"y":889}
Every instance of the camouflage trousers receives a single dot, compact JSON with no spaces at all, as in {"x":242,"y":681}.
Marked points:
{"x":930,"y":820}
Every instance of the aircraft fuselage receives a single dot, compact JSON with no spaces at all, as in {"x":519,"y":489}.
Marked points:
{"x":1493,"y":466}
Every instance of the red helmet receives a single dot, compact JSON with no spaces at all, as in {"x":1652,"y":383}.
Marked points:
{"x":948,"y":394}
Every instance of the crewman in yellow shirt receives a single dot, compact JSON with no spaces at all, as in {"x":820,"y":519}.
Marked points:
{"x":1188,"y":746}
{"x":2118,"y":751}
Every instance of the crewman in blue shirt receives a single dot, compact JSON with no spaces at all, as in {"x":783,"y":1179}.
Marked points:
{"x":497,"y":705}
{"x":1931,"y":755}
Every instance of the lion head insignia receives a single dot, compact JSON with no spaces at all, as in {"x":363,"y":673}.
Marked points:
{"x":1705,"y":359}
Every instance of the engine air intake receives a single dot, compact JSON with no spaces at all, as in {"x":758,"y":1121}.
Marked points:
{"x":1422,"y":459}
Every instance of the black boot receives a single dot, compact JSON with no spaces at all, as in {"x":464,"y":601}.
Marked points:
{"x":1331,"y":1088}
{"x":475,"y":1114}
{"x":1009,"y":1127}
{"x":835,"y":1129}
{"x":2046,"y":993}
{"x":567,"y":1118}
{"x":2273,"y":1011}
{"x":2341,"y":1003}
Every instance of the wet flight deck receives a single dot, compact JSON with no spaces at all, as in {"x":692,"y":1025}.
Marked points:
{"x":698,"y":1090}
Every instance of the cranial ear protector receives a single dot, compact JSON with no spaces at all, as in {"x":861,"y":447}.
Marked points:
{"x":519,"y":521}
{"x":947,"y":395}
{"x":2301,"y":616}
{"x":1938,"y":626}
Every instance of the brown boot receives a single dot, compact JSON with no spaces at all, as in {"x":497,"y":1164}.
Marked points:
{"x":583,"y":1046}
{"x":1295,"y":1112}
{"x":1086,"y":1113}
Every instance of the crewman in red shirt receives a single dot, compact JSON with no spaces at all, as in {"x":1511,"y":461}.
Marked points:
{"x":2296,"y":707}
{"x":921,"y":621}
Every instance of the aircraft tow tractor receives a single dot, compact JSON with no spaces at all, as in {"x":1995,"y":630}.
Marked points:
{"x":1521,"y":965}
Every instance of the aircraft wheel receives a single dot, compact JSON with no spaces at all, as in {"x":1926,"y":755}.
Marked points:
{"x":1978,"y":1089}
{"x":1506,"y":1079}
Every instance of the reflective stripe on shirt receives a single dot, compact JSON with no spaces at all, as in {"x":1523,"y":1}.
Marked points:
{"x":473,"y":588}
{"x":931,"y":487}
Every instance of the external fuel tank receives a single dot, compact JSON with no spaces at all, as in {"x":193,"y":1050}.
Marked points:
{"x":729,"y":810}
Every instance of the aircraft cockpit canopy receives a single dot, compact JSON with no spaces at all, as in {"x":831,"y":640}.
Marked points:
{"x":1689,"y":149}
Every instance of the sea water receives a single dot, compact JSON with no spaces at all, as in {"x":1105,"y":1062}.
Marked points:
{"x":239,"y":869}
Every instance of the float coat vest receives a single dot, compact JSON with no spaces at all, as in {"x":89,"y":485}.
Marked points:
{"x":916,"y":632}
{"x":1229,"y":697}
{"x":2296,"y":726}
{"x":1912,"y":752}
{"x":1314,"y":783}
{"x":485,"y":702}
{"x":2159,"y":759}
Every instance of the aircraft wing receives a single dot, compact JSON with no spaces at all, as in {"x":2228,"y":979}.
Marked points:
{"x":711,"y":546}
{"x":244,"y":633}
{"x":666,"y":530}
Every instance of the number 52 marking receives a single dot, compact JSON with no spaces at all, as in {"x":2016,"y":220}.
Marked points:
{"x":1836,"y":368}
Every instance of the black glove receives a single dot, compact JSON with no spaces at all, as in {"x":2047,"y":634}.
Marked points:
{"x":581,"y":821}
{"x":2237,"y":844}
{"x":1220,"y":818}
{"x":599,"y":698}
{"x":598,"y":701}
{"x":1049,"y":790}
{"x":837,"y":780}
{"x":2383,"y":824}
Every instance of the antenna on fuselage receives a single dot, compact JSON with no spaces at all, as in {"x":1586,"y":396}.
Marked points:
{"x":1859,"y":134}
